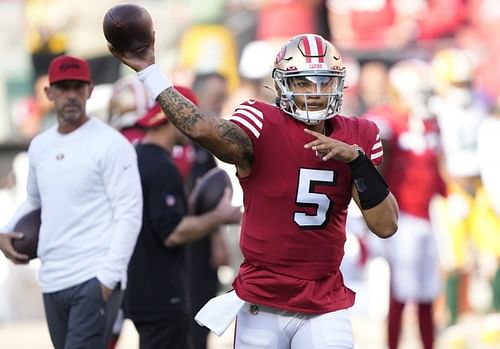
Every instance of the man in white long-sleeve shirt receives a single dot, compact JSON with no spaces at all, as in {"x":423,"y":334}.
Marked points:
{"x":84,"y":177}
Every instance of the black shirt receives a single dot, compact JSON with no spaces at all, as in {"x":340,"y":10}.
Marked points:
{"x":156,"y":286}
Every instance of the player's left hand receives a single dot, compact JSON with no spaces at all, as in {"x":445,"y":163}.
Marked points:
{"x":328,"y":148}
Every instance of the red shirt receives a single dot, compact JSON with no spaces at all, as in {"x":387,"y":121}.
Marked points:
{"x":412,"y":170}
{"x":293,"y":228}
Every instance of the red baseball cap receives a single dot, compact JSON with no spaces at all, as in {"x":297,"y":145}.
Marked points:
{"x":65,"y":67}
{"x":156,"y":117}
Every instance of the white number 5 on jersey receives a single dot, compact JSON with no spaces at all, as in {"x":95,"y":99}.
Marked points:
{"x":306,"y":197}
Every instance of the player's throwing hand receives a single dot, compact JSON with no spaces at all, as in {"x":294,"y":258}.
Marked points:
{"x":136,"y":61}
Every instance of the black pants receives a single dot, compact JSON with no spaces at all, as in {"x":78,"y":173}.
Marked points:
{"x":78,"y":317}
{"x":203,"y":284}
{"x":164,"y":334}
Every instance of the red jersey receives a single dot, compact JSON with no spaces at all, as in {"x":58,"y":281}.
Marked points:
{"x":412,"y":170}
{"x":293,"y":227}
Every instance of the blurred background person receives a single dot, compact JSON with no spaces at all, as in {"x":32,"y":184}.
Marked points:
{"x":156,"y":298}
{"x":486,"y":224}
{"x":459,"y":112}
{"x":206,"y":255}
{"x":128,"y":102}
{"x":254,"y":68}
{"x":372,"y":85}
{"x":83,"y":266}
{"x":410,"y":138}
{"x":34,"y":114}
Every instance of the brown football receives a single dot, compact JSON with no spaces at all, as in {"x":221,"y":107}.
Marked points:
{"x":29,"y":225}
{"x":209,"y":190}
{"x":128,"y":27}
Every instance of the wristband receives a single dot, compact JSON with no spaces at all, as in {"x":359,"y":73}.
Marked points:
{"x":154,"y":80}
{"x":370,"y":185}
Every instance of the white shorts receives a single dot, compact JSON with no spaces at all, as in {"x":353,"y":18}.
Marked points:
{"x":259,"y":327}
{"x":413,"y":260}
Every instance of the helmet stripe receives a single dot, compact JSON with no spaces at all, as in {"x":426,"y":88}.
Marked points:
{"x":307,"y":48}
{"x":313,"y":47}
{"x":319,"y":46}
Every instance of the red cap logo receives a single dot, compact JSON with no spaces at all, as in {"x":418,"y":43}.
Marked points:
{"x":65,"y":67}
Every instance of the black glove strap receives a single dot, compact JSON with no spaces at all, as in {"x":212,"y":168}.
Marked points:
{"x":370,"y":185}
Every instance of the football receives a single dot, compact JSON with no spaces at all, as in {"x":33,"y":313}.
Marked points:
{"x":209,"y":190}
{"x":29,"y":225}
{"x":128,"y":27}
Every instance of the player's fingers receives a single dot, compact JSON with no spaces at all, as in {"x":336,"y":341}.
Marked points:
{"x":16,"y":235}
{"x":318,"y":135}
{"x":16,"y":257}
{"x":328,"y":153}
{"x":20,"y":260}
{"x":314,"y":143}
{"x":313,"y":133}
{"x":328,"y":156}
{"x":10,"y":252}
{"x":323,"y":147}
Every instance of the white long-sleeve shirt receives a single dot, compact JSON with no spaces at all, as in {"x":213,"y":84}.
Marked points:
{"x":88,"y":185}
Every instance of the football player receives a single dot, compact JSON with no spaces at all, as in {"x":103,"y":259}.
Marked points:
{"x":299,"y":164}
{"x":410,"y":136}
{"x":459,"y":112}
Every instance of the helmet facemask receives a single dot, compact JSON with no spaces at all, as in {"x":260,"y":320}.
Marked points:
{"x":309,"y":79}
{"x":302,"y":94}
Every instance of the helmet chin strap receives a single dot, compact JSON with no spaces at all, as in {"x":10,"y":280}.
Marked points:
{"x":305,"y":116}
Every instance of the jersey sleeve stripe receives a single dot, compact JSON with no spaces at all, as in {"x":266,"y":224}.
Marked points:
{"x":246,"y":124}
{"x":253,"y":110}
{"x":374,"y":156}
{"x":377,"y":145}
{"x":247,"y":115}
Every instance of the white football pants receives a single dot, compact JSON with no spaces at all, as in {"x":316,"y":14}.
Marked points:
{"x":259,"y":327}
{"x":413,"y":259}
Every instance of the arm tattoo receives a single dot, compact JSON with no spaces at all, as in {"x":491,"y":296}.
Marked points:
{"x":180,"y":111}
{"x":227,"y":141}
{"x":232,"y":134}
